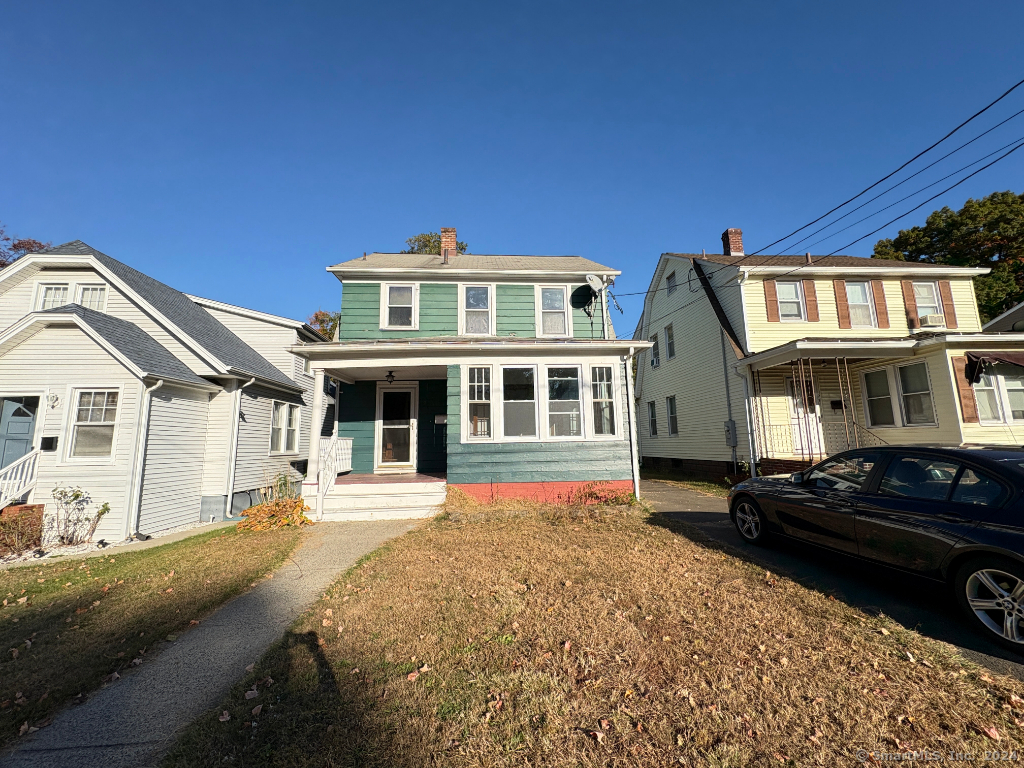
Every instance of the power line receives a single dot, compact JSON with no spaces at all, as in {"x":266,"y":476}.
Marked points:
{"x":889,"y":176}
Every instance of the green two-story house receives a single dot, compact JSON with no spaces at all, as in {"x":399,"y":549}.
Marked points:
{"x":500,"y":375}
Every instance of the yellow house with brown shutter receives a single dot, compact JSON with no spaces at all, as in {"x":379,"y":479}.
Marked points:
{"x":780,"y":361}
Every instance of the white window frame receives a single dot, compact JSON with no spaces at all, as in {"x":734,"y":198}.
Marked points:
{"x":1002,"y":393}
{"x":539,"y":404}
{"x":655,"y":351}
{"x":670,"y":342}
{"x":616,"y":401}
{"x":71,"y":421}
{"x":491,"y":308}
{"x":307,"y":366}
{"x":41,"y":294}
{"x":289,"y":408}
{"x":538,"y":294}
{"x":671,"y":283}
{"x":581,"y":383}
{"x":80,"y":290}
{"x":467,"y":434}
{"x":800,"y":295}
{"x":672,"y":414}
{"x":871,"y":303}
{"x":896,"y":396}
{"x":384,"y":295}
{"x":652,"y":418}
{"x":938,"y":301}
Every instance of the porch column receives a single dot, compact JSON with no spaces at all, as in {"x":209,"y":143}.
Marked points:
{"x":310,"y":487}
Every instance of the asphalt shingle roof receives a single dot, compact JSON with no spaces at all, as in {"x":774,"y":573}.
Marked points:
{"x":800,"y":261}
{"x":186,"y":315}
{"x":574,"y":264}
{"x":134,"y":343}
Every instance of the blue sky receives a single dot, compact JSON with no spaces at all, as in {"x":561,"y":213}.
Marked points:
{"x":234,"y":150}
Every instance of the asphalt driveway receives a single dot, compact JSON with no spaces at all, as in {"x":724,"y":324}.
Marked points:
{"x":915,"y":603}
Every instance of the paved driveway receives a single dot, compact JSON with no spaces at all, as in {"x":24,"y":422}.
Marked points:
{"x":913,"y":602}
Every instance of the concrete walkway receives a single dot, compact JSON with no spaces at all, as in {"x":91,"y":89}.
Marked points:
{"x":131,"y":722}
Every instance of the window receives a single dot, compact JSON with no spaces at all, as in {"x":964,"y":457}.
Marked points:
{"x":986,"y":395}
{"x":53,"y":296}
{"x":655,"y":352}
{"x":876,"y":389}
{"x":93,"y":431}
{"x":652,"y":418}
{"x":926,"y":296}
{"x":671,"y":280}
{"x":977,"y":488}
{"x":1000,"y":395}
{"x":604,"y":400}
{"x":284,"y":428}
{"x":858,"y":298}
{"x":480,"y":402}
{"x":791,"y":301}
{"x":554,"y":316}
{"x":565,"y":415}
{"x":670,"y":342}
{"x":477,"y":310}
{"x":919,"y":477}
{"x":845,"y":473}
{"x":400,"y":306}
{"x":307,"y":367}
{"x":670,"y":409}
{"x":916,"y":392}
{"x":92,"y":296}
{"x":519,"y":393}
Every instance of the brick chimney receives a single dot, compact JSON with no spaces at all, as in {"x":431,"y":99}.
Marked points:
{"x":732,"y":242}
{"x":448,"y":241}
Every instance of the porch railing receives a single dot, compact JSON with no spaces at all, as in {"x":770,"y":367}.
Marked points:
{"x":18,"y":478}
{"x":787,"y":441}
{"x":336,"y":458}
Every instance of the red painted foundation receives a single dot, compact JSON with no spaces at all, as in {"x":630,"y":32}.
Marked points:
{"x":590,"y":492}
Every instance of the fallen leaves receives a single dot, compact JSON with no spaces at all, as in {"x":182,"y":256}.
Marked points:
{"x":256,"y":710}
{"x":224,"y":716}
{"x":990,"y":731}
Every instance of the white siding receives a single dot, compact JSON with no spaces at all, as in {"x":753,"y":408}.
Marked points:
{"x":219,"y":433}
{"x":255,"y":467}
{"x":173,"y":477}
{"x":30,"y":369}
{"x":268,"y":339}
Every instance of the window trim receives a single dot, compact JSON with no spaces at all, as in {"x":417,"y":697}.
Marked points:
{"x":539,"y":405}
{"x":70,"y":422}
{"x":467,"y":435}
{"x":671,"y":283}
{"x":670,"y":342}
{"x":384,"y":296}
{"x":655,"y":350}
{"x":492,"y":291}
{"x":80,"y":289}
{"x":672,"y":415}
{"x":581,"y":386}
{"x":938,"y":303}
{"x":616,"y":401}
{"x":652,"y":418}
{"x":284,"y":433}
{"x":896,"y":391}
{"x":41,"y":293}
{"x":538,"y":294}
{"x":800,"y":295}
{"x":870,"y":303}
{"x":307,"y":366}
{"x":1002,"y":401}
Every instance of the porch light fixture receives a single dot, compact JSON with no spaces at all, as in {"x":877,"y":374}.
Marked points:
{"x":390,"y":377}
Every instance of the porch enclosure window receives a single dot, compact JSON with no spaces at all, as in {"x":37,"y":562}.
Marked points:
{"x":791,"y":301}
{"x":926,"y":296}
{"x":400,"y":306}
{"x":1000,"y":394}
{"x":565,"y":414}
{"x":876,"y":393}
{"x":53,"y":296}
{"x":519,"y":397}
{"x":670,"y":409}
{"x":671,"y":281}
{"x":899,"y":396}
{"x":478,"y":310}
{"x":858,"y":298}
{"x":655,"y":352}
{"x":480,"y":402}
{"x":670,"y":341}
{"x":652,"y":418}
{"x":604,"y":402}
{"x":553,"y":317}
{"x":284,"y":428}
{"x":92,"y":296}
{"x":93,"y":430}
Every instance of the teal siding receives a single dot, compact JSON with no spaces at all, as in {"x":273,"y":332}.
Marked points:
{"x":430,"y":442}
{"x":515,"y":311}
{"x":357,"y":407}
{"x":360,"y":312}
{"x":528,"y":462}
{"x":583,"y":326}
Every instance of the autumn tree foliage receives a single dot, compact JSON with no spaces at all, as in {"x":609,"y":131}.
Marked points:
{"x":324,"y":322}
{"x":13,"y":248}
{"x":429,"y":242}
{"x":984,"y":233}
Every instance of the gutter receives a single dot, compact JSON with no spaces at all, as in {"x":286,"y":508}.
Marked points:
{"x":135,"y":509}
{"x":233,"y":448}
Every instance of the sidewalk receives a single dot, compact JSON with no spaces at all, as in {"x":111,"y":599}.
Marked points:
{"x":131,"y":722}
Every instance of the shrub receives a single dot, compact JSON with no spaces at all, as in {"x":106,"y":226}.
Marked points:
{"x":272,"y":515}
{"x":21,"y":529}
{"x":71,"y":524}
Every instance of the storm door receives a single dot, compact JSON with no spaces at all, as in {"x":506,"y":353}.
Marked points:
{"x":396,"y":428}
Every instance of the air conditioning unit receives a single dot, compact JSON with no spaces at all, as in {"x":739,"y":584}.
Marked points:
{"x":932,"y":321}
{"x":655,"y":362}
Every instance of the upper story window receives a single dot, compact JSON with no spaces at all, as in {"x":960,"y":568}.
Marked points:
{"x":655,"y":352}
{"x":284,"y":428}
{"x":791,"y":301}
{"x":670,"y":341}
{"x":671,"y":281}
{"x":51,"y":296}
{"x":92,"y":434}
{"x":399,"y":310}
{"x":93,"y":296}
{"x":478,"y":306}
{"x":858,"y":298}
{"x":554,"y":311}
{"x":926,"y":296}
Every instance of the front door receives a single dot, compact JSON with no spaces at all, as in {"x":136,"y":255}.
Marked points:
{"x":804,"y":420}
{"x":17,"y":426}
{"x":396,"y":429}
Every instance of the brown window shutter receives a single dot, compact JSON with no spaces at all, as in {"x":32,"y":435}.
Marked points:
{"x":842,"y":305}
{"x":771,"y":300}
{"x":948,"y":310}
{"x":968,"y":405}
{"x":811,"y":300}
{"x":913,"y":321}
{"x":881,"y":310}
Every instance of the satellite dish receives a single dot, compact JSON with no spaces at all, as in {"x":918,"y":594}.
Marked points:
{"x":595,"y":283}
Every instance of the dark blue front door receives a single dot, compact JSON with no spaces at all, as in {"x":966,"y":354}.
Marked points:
{"x":17,"y":426}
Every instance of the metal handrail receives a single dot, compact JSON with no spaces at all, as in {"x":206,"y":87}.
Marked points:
{"x":18,"y":477}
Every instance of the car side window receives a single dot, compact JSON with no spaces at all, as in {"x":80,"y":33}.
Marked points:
{"x":975,"y":487}
{"x":919,"y":477}
{"x":845,"y":473}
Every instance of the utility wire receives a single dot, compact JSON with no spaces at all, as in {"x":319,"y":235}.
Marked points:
{"x":889,"y":176}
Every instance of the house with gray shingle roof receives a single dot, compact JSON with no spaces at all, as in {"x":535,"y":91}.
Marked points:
{"x":170,"y":408}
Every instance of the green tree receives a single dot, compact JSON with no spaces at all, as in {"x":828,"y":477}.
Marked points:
{"x":429,"y":242}
{"x":13,"y":248}
{"x":984,"y":233}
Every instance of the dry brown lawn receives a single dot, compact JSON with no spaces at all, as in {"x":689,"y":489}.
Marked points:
{"x":582,"y":638}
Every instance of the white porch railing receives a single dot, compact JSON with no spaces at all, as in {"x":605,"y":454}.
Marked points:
{"x":334,"y":459}
{"x":18,"y":478}
{"x":791,"y":441}
{"x":325,"y":446}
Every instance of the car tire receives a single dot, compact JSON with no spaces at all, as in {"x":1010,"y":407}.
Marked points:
{"x":990,"y":592}
{"x":750,"y":520}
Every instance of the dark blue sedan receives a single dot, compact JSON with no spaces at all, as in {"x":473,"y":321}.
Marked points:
{"x":950,"y":514}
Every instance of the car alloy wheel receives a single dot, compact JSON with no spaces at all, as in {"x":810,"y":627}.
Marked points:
{"x":997,"y":599}
{"x":748,"y":521}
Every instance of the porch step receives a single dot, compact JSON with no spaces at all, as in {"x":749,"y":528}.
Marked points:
{"x":383,"y":501}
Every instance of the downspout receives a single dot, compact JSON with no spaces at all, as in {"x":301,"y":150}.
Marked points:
{"x":728,"y":401}
{"x":604,"y":310}
{"x":135,"y":513}
{"x":631,"y":409}
{"x":233,"y":452}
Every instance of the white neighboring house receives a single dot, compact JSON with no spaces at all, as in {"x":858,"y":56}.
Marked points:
{"x":164,"y":406}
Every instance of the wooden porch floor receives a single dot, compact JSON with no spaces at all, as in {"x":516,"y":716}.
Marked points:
{"x":368,"y":479}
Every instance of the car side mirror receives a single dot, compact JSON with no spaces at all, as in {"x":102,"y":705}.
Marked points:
{"x":797,"y":478}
